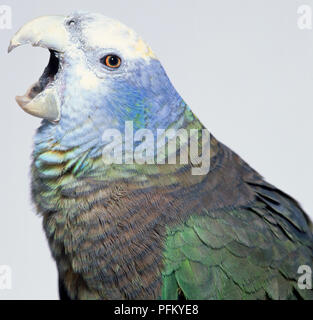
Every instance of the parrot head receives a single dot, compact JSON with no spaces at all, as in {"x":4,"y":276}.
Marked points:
{"x":100,"y":74}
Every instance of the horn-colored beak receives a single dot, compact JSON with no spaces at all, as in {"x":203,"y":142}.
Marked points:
{"x":45,"y":105}
{"x":47,"y":32}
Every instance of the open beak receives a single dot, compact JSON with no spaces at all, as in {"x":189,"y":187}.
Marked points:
{"x":42,"y":99}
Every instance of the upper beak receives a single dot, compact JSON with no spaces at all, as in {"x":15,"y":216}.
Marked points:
{"x":48,"y":32}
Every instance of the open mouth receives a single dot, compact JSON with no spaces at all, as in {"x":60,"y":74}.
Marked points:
{"x":43,"y":99}
{"x":45,"y":81}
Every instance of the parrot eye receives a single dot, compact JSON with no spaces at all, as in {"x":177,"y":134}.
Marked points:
{"x":112,"y":61}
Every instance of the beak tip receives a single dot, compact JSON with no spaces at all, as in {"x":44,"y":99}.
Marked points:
{"x":12,"y":46}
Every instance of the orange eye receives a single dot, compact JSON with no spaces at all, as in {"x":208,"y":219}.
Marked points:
{"x":111,"y":61}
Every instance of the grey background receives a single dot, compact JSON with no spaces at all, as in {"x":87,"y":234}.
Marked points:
{"x":242,"y":65}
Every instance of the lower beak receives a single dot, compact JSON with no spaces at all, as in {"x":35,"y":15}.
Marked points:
{"x":45,"y":105}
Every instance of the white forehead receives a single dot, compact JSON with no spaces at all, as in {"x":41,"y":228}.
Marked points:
{"x":100,"y":31}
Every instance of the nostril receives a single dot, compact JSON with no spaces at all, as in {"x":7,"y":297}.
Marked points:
{"x":71,"y":22}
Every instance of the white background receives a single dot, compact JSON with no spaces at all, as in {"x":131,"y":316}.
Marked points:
{"x":243,"y":66}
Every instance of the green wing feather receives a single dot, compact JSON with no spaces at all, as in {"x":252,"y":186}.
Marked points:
{"x":248,"y":253}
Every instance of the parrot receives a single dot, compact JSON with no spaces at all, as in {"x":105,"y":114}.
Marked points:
{"x":147,"y":230}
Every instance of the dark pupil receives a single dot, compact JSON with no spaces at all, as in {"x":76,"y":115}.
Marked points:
{"x":113,"y":61}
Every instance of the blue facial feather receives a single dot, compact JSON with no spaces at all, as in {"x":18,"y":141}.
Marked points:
{"x":138,"y":96}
